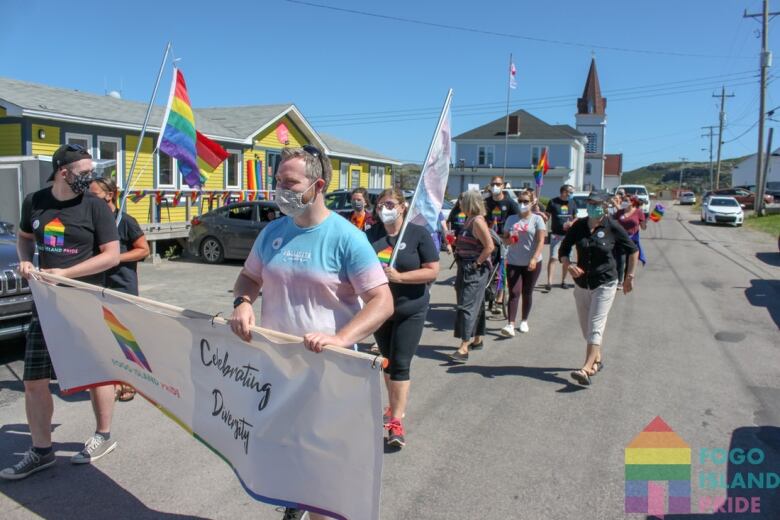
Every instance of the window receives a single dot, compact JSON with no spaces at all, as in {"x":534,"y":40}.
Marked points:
{"x":344,"y":176}
{"x":588,"y":168}
{"x":355,"y":180}
{"x":110,"y":148}
{"x":80,"y":139}
{"x":485,"y":155}
{"x":376,"y":177}
{"x":592,"y":146}
{"x":166,"y":171}
{"x":241,"y":213}
{"x":536,"y":154}
{"x":233,"y":169}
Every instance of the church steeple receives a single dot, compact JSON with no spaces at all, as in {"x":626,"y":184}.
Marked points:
{"x":591,"y":101}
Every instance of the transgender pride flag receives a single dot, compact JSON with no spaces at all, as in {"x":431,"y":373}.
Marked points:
{"x":429,"y":195}
{"x":178,"y":137}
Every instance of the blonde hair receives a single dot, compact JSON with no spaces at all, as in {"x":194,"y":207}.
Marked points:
{"x":316,"y":166}
{"x":472,"y":203}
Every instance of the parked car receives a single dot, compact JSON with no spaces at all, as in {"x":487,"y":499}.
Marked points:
{"x":230,"y":231}
{"x":719,"y":209}
{"x":687,"y":198}
{"x":16,"y":301}
{"x":340,"y":201}
{"x":640,"y":191}
{"x":744,"y":196}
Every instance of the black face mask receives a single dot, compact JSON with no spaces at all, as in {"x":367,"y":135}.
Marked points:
{"x":79,"y":183}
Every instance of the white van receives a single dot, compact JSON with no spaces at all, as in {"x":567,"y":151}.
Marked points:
{"x":640,"y":191}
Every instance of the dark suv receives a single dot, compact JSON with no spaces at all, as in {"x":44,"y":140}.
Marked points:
{"x":15,"y":296}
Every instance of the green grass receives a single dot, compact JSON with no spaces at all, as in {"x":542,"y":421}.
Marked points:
{"x":768,"y":224}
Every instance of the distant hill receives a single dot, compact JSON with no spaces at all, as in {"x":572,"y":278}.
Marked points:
{"x":696,"y":175}
{"x":406,"y":176}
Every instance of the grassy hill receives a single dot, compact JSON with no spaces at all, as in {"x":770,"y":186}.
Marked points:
{"x":696,"y":176}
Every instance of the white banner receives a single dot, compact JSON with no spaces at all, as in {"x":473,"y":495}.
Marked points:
{"x":299,"y":429}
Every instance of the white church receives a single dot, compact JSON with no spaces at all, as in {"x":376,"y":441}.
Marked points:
{"x":576,"y":155}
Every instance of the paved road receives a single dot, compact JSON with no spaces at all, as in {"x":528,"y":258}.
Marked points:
{"x":504,"y":436}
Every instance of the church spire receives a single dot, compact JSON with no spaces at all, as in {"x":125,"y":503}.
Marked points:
{"x":591,"y":101}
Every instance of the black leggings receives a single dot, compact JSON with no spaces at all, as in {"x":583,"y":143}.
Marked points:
{"x":521,"y":284}
{"x":398,"y":339}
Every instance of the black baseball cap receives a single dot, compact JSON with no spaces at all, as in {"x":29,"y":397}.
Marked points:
{"x":66,"y":154}
{"x":599,"y":196}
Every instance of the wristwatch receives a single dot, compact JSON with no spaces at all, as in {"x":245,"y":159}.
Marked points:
{"x":241,"y":299}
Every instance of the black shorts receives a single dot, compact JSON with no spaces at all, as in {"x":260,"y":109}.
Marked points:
{"x":37,"y":363}
{"x":398,"y":339}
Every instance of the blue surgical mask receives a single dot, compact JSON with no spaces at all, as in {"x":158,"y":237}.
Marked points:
{"x":595,"y":211}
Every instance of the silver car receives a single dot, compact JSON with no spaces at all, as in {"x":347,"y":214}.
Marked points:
{"x":230,"y":231}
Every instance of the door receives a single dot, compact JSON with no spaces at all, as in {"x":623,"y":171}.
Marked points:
{"x":11,"y":193}
{"x":240,"y":230}
{"x":274,"y":159}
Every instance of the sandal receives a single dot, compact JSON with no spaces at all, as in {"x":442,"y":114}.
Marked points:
{"x":477,"y":346}
{"x":581,"y":376}
{"x":125,"y":393}
{"x":598,"y":366}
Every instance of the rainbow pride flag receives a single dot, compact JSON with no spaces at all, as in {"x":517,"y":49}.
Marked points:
{"x":385,"y":255}
{"x":251,"y":180}
{"x":541,"y":169}
{"x":178,"y":137}
{"x":210,"y":156}
{"x":658,"y":212}
{"x":126,"y":341}
{"x":655,"y":456}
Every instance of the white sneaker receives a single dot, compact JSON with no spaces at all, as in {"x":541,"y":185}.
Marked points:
{"x":508,"y":331}
{"x":523,"y":326}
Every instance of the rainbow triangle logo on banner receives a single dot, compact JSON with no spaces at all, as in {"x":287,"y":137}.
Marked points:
{"x":126,"y":340}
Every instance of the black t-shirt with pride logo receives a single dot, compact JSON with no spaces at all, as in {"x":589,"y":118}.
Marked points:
{"x":498,"y":211}
{"x":68,"y":232}
{"x":560,"y":211}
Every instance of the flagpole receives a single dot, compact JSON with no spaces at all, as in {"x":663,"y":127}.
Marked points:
{"x":129,"y":176}
{"x":444,"y":111}
{"x":506,"y":130}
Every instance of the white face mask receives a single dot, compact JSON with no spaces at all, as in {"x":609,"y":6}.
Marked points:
{"x":611,"y":210}
{"x":388,"y":216}
{"x":525,"y":208}
{"x":495,"y":190}
{"x":625,"y":205}
{"x":291,"y":202}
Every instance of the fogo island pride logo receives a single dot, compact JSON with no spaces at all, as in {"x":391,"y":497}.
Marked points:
{"x":54,"y":234}
{"x":658,"y":460}
{"x":126,"y":341}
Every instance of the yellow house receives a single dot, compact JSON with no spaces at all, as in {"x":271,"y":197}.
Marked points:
{"x":36,"y":119}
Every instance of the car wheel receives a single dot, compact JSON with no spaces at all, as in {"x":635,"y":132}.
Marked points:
{"x":211,"y":251}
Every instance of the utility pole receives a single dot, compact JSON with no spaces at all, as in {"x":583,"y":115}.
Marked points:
{"x":710,"y":135}
{"x":722,"y":97}
{"x":682,"y":172}
{"x":766,"y":62}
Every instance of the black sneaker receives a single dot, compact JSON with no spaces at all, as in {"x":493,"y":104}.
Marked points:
{"x":293,"y":514}
{"x":547,"y":287}
{"x":30,"y":463}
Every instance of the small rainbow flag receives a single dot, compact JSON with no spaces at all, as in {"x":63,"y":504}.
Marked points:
{"x":658,"y":212}
{"x":385,"y":255}
{"x":178,"y":137}
{"x":656,"y":455}
{"x":137,"y":196}
{"x":541,"y":169}
{"x":126,"y":340}
{"x":54,"y":233}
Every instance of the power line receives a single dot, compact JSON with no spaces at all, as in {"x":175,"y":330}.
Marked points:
{"x":505,"y":35}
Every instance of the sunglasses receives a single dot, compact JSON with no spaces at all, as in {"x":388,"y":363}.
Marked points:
{"x":524,"y":201}
{"x":312,"y":150}
{"x":389,"y":204}
{"x":496,"y":183}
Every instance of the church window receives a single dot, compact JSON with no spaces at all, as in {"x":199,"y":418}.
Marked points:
{"x":592,"y":146}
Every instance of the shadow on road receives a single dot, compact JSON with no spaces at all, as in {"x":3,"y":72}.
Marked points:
{"x":763,"y":439}
{"x":765,"y":293}
{"x":66,"y":490}
{"x":772,"y":259}
{"x":548,"y":374}
{"x":441,"y":316}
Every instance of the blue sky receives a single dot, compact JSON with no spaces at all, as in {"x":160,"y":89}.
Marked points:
{"x":335,"y":64}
